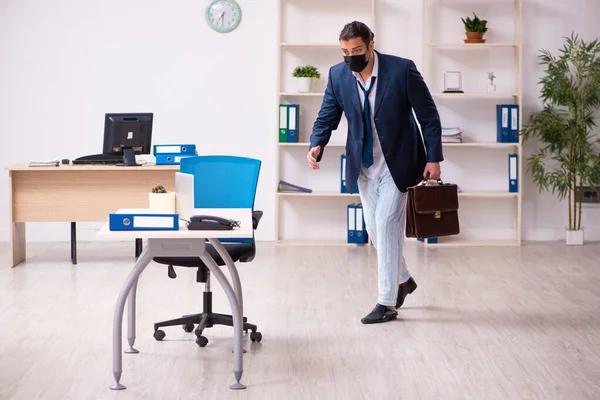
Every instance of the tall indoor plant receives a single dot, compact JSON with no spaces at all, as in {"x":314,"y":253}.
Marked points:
{"x":569,"y":157}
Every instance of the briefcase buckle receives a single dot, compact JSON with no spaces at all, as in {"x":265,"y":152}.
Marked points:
{"x":437,"y":214}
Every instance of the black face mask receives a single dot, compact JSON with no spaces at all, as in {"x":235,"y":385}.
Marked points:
{"x":357,"y":63}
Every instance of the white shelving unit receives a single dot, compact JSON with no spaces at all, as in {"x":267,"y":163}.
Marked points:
{"x":479,"y":165}
{"x":308,"y":34}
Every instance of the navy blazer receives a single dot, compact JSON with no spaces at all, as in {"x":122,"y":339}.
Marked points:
{"x":400,"y":89}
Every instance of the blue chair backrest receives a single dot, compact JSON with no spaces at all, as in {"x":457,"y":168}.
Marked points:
{"x":223,"y":182}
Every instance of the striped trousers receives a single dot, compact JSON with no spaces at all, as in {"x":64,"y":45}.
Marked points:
{"x":384,"y":208}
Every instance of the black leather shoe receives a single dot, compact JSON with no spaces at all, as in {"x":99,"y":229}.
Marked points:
{"x":379,"y":314}
{"x":410,"y":287}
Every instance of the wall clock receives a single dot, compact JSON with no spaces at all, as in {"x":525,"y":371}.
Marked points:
{"x":223,"y":15}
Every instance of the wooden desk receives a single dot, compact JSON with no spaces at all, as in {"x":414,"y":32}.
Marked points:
{"x":76,"y":193}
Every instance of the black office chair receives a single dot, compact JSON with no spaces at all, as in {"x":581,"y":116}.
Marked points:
{"x":242,"y":252}
{"x":219,"y":182}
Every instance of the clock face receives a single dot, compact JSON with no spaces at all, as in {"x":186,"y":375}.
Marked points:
{"x":223,"y":15}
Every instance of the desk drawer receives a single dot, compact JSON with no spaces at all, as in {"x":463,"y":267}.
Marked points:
{"x":83,"y":195}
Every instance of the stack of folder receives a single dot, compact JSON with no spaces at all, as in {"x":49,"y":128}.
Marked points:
{"x":357,"y":231}
{"x":171,"y":154}
{"x":288,"y":123}
{"x":452,"y":135}
{"x":507,"y":123}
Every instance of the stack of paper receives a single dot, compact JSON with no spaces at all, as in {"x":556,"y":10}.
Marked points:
{"x":452,"y":135}
{"x":44,"y":163}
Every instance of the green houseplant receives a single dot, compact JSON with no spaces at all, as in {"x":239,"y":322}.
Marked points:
{"x":569,"y":157}
{"x":304,"y":75}
{"x":159,"y":189}
{"x":475,"y":29}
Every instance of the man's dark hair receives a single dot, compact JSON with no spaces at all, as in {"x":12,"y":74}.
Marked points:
{"x":357,"y":29}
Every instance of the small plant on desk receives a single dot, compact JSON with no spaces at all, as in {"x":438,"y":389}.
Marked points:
{"x":159,"y":189}
{"x":161,"y":201}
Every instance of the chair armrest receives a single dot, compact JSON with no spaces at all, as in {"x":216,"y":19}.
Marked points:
{"x":256,"y":216}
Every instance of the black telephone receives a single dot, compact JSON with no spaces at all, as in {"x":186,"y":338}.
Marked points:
{"x":211,"y":223}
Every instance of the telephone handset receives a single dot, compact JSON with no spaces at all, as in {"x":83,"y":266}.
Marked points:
{"x":211,"y":223}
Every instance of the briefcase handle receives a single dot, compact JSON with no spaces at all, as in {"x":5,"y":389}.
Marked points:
{"x":430,"y":182}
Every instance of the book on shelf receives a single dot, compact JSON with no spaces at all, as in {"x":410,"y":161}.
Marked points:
{"x":286,"y":187}
{"x":452,"y":135}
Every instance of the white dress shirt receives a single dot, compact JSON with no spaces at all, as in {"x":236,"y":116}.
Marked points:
{"x":379,"y":166}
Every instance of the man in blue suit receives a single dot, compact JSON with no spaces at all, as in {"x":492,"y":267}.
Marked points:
{"x":386,"y":154}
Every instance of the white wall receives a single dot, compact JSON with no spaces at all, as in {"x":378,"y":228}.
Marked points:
{"x":546,"y":22}
{"x":65,"y":63}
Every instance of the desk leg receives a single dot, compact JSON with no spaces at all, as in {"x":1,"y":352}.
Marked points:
{"x":138,"y":247}
{"x":238,"y":361}
{"x":17,"y":243}
{"x":235,"y":277}
{"x":131,"y":319}
{"x":74,"y":242}
{"x":139,"y":267}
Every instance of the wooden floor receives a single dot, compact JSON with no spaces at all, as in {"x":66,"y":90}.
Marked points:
{"x":485,"y":323}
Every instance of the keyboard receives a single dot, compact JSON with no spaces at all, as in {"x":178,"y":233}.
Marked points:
{"x":98,"y":159}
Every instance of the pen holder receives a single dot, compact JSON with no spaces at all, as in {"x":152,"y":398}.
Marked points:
{"x":162,"y":203}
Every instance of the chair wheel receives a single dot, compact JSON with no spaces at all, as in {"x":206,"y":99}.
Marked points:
{"x":256,"y":337}
{"x":159,"y":335}
{"x":202,"y":341}
{"x":188,"y":327}
{"x":198,"y":333}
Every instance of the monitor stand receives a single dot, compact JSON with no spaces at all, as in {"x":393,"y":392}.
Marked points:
{"x":129,"y":158}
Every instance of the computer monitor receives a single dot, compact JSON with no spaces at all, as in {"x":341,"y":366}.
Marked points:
{"x":127,"y":134}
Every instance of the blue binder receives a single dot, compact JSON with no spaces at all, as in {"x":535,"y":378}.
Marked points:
{"x":357,"y":232}
{"x":343,"y":188}
{"x":502,"y":117}
{"x":174,"y":149}
{"x":143,"y":222}
{"x":293,"y":122}
{"x":172,"y":158}
{"x":513,"y":173}
{"x":514,"y":123}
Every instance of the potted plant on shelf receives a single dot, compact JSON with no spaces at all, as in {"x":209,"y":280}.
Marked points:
{"x":571,"y":94}
{"x":304,"y":76}
{"x":475,"y":29}
{"x":160,"y":201}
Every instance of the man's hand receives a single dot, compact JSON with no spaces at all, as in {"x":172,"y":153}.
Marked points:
{"x":312,"y":157}
{"x":432,"y":171}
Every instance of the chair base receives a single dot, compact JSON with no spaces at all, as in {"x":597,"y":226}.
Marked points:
{"x":206,"y":319}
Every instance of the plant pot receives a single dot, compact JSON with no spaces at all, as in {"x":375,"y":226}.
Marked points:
{"x":161,"y":203}
{"x":304,"y":84}
{"x":574,"y":238}
{"x":474,"y":37}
